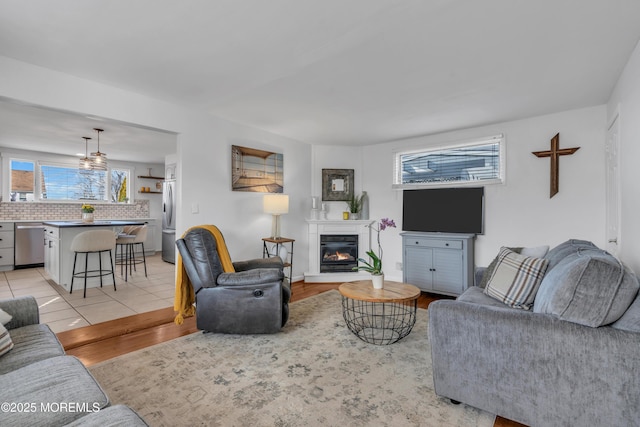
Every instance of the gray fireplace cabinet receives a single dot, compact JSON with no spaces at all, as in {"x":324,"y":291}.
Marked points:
{"x":440,"y":263}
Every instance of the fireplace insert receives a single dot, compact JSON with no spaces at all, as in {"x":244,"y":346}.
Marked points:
{"x":338,"y":252}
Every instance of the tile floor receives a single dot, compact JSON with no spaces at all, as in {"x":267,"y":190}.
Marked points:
{"x":64,"y":311}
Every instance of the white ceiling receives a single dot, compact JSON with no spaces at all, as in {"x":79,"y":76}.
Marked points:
{"x":27,"y":127}
{"x":336,"y":71}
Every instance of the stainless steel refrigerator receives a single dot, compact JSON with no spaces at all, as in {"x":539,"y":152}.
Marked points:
{"x":169,"y":221}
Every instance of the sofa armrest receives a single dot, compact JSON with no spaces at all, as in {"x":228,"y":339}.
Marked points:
{"x":23,"y":309}
{"x":271,"y":262}
{"x":485,"y":356}
{"x":251,"y":277}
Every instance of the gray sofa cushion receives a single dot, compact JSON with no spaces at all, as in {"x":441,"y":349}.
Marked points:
{"x":630,"y":320}
{"x":113,"y":416}
{"x":589,"y":287}
{"x":476,"y":295}
{"x":560,"y":252}
{"x":62,"y":379}
{"x":30,"y":344}
{"x":24,"y":311}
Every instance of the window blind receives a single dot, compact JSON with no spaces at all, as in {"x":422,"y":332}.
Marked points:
{"x":474,"y":162}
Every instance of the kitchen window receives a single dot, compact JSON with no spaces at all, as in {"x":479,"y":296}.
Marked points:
{"x":474,"y":162}
{"x":59,"y":182}
{"x":22,"y":181}
{"x":48,"y":179}
{"x":120,"y":185}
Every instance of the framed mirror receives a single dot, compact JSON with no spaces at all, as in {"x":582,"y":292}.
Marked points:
{"x":337,"y":184}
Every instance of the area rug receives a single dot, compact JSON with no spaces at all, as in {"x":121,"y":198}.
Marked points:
{"x":314,"y":372}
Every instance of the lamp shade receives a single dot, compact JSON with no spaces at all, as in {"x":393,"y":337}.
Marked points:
{"x":275,"y":204}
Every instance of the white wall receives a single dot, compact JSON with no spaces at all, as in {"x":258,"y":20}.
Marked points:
{"x":335,"y":157}
{"x":203,"y":149}
{"x":518,"y":213}
{"x":205,"y":175}
{"x":626,"y":99}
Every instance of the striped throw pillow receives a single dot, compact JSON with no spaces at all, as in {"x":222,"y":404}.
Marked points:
{"x":516,"y":279}
{"x":5,"y":340}
{"x":5,"y":317}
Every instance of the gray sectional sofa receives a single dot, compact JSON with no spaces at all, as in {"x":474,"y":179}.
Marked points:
{"x":41,"y":386}
{"x":573,"y":359}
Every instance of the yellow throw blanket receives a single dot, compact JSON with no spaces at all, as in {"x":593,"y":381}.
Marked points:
{"x":185,"y":296}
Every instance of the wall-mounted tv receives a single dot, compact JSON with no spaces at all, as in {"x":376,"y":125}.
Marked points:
{"x":444,"y":210}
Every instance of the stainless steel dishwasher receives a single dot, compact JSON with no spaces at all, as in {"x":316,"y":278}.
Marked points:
{"x":29,"y":244}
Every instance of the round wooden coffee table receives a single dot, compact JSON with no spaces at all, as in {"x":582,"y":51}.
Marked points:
{"x":379,"y":316}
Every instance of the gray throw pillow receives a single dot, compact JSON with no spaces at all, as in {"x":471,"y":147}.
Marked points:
{"x":563,"y":250}
{"x":589,"y":287}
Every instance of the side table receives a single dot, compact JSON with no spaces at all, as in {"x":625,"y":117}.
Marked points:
{"x":379,"y":316}
{"x":280,"y":242}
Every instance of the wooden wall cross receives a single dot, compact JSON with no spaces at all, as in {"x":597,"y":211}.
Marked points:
{"x":555,"y":152}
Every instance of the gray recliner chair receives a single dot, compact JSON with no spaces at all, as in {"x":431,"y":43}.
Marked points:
{"x":253,"y":300}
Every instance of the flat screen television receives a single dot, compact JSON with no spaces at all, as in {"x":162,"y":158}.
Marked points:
{"x":444,"y":210}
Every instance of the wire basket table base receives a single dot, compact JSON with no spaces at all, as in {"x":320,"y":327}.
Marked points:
{"x":379,"y":323}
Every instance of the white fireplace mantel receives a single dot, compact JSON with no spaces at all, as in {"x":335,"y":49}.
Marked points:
{"x":321,"y":227}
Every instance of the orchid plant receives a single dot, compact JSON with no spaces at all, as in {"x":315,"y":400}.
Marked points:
{"x":375,"y":266}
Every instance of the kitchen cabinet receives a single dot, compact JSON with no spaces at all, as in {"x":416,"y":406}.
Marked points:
{"x":438,"y":262}
{"x":6,"y":246}
{"x":52,"y":252}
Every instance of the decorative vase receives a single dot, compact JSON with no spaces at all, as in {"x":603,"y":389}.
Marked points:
{"x":364,"y":210}
{"x":354,"y":215}
{"x":87,"y":216}
{"x":378,"y":281}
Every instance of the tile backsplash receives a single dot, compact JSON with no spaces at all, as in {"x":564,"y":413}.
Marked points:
{"x":70,"y":211}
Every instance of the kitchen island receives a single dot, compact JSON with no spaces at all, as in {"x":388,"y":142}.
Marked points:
{"x":58,"y":256}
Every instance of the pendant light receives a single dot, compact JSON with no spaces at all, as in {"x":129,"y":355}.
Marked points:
{"x":99,"y":160}
{"x":85,"y":162}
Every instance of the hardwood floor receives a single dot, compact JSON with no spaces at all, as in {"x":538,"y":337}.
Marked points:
{"x":103,"y":341}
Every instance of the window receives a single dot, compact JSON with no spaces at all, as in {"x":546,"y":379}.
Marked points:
{"x":22,"y":180}
{"x":119,"y":185}
{"x":475,"y":162}
{"x":52,"y":179}
{"x":59,"y":182}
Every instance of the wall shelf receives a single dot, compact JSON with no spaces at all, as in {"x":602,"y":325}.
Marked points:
{"x":161,"y":178}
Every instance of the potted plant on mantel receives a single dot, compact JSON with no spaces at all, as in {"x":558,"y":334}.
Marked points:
{"x":375,"y":266}
{"x":354,"y":204}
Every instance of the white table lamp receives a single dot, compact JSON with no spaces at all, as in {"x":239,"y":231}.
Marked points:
{"x":276,"y":205}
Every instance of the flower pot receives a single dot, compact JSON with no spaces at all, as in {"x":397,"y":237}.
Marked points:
{"x":354,"y":215}
{"x":378,"y":281}
{"x":87,"y":216}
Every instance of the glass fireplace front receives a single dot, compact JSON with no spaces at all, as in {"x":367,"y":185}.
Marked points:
{"x":338,"y":252}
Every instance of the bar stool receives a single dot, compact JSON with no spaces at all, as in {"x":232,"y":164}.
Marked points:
{"x":93,"y":242}
{"x":131,"y":236}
